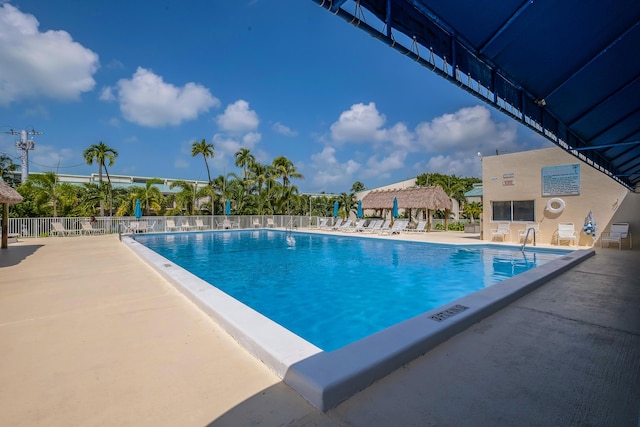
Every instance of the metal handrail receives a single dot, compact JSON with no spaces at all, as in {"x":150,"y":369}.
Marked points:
{"x":526,"y":238}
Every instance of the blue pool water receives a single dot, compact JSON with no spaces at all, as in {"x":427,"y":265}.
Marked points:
{"x":334,"y":290}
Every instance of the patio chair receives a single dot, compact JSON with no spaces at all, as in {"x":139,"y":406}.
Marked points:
{"x":420,"y":228}
{"x":359,"y":226}
{"x":200,"y":225}
{"x":323,"y":223}
{"x":373,"y":226}
{"x":170,"y":225}
{"x":256,"y":223}
{"x":503,"y":229}
{"x":522,"y":234}
{"x":186,"y":225}
{"x":270,"y":223}
{"x":228,"y":224}
{"x":617,"y":232}
{"x":58,"y":229}
{"x":567,"y":232}
{"x":344,"y":226}
{"x":385,"y":227}
{"x":337,"y":224}
{"x":87,"y":228}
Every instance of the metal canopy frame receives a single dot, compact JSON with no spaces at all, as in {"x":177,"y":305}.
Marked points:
{"x":569,"y":70}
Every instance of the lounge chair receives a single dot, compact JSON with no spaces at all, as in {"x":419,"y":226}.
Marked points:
{"x":344,"y":226}
{"x":270,"y":223}
{"x":503,"y":229}
{"x":359,"y":226}
{"x":186,"y":225}
{"x":567,"y":232}
{"x":420,"y":228}
{"x":617,"y":232}
{"x":323,"y":223}
{"x":398,"y":226}
{"x":522,"y":234}
{"x":87,"y":228}
{"x":228,"y":224}
{"x":58,"y":229}
{"x":373,"y":226}
{"x":200,"y":225}
{"x":170,"y":225}
{"x":337,"y":224}
{"x":139,"y":226}
{"x":385,"y":227}
{"x":256,"y":223}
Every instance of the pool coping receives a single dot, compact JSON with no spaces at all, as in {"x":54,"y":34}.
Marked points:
{"x":327,"y":378}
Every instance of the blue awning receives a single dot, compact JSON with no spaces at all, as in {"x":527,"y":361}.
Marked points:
{"x":570,"y":70}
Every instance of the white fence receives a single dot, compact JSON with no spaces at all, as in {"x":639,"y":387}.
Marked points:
{"x":42,"y":227}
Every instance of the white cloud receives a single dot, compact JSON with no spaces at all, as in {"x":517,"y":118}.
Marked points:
{"x":383,"y":168}
{"x":250,"y":140}
{"x":41,"y":64}
{"x":238,"y":118}
{"x":284,"y":130}
{"x":361,"y":123}
{"x":147,"y":100}
{"x":106,"y":94}
{"x":330,"y":173}
{"x":471,"y":129}
{"x":48,"y":157}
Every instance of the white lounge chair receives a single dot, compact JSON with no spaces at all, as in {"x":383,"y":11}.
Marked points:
{"x":87,"y":228}
{"x":359,"y":226}
{"x":522,"y":234}
{"x":58,"y":229}
{"x":228,"y":224}
{"x":503,"y":229}
{"x":420,"y":228}
{"x":344,"y":226}
{"x":323,"y":223}
{"x":337,"y":224}
{"x":256,"y":223}
{"x":373,"y":226}
{"x":200,"y":225}
{"x":385,"y":227}
{"x":398,"y":226}
{"x":617,"y":232}
{"x":270,"y":223}
{"x":567,"y":233}
{"x":186,"y":225}
{"x":170,"y":225}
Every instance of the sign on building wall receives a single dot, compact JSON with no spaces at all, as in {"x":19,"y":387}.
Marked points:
{"x":561,"y":180}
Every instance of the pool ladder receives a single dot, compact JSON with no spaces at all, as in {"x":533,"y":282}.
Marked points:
{"x":526,"y":238}
{"x":292,"y":223}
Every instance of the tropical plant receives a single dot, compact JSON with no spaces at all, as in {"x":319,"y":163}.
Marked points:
{"x":357,"y":187}
{"x":100,"y":153}
{"x":49,"y":196}
{"x":244,"y":159}
{"x":206,"y":150}
{"x":150,"y":196}
{"x":6,"y":167}
{"x":185,"y":199}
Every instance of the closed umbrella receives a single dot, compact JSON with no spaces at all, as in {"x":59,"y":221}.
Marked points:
{"x":359,"y":213}
{"x":138,"y":212}
{"x":335,"y":209}
{"x":394,"y":211}
{"x":227,"y":207}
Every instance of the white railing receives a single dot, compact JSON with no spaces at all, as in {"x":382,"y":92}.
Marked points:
{"x":42,"y":227}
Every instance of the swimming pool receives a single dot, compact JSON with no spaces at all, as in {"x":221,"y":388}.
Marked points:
{"x":334,"y":290}
{"x":325,"y":378}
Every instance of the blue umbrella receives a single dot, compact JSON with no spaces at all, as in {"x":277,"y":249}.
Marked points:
{"x":138,"y":212}
{"x":227,"y":207}
{"x":394,"y":211}
{"x":335,"y":209}
{"x":359,"y":214}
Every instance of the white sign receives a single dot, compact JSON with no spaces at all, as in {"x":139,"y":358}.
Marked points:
{"x":562,"y":180}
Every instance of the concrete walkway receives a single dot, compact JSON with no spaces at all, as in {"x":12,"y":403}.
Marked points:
{"x":92,"y":336}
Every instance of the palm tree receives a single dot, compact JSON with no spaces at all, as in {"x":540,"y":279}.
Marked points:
{"x":285,"y":169}
{"x":207,"y":150}
{"x":348,"y":203}
{"x":150,"y":196}
{"x":186,"y":197}
{"x":244,"y":159}
{"x":6,"y":167}
{"x":49,"y":194}
{"x":100,"y":153}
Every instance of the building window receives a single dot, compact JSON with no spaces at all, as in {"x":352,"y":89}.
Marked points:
{"x":513,"y":210}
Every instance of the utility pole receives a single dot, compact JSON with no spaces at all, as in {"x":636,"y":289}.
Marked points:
{"x":25,"y":144}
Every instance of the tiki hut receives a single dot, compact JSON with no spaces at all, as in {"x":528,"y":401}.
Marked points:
{"x":428,"y":198}
{"x":7,"y":196}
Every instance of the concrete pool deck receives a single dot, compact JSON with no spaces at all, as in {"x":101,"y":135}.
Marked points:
{"x":91,"y":335}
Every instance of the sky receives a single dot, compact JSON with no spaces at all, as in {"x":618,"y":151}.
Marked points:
{"x":281,"y":78}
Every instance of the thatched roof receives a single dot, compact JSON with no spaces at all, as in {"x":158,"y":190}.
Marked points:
{"x":8,"y":194}
{"x":408,"y":198}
